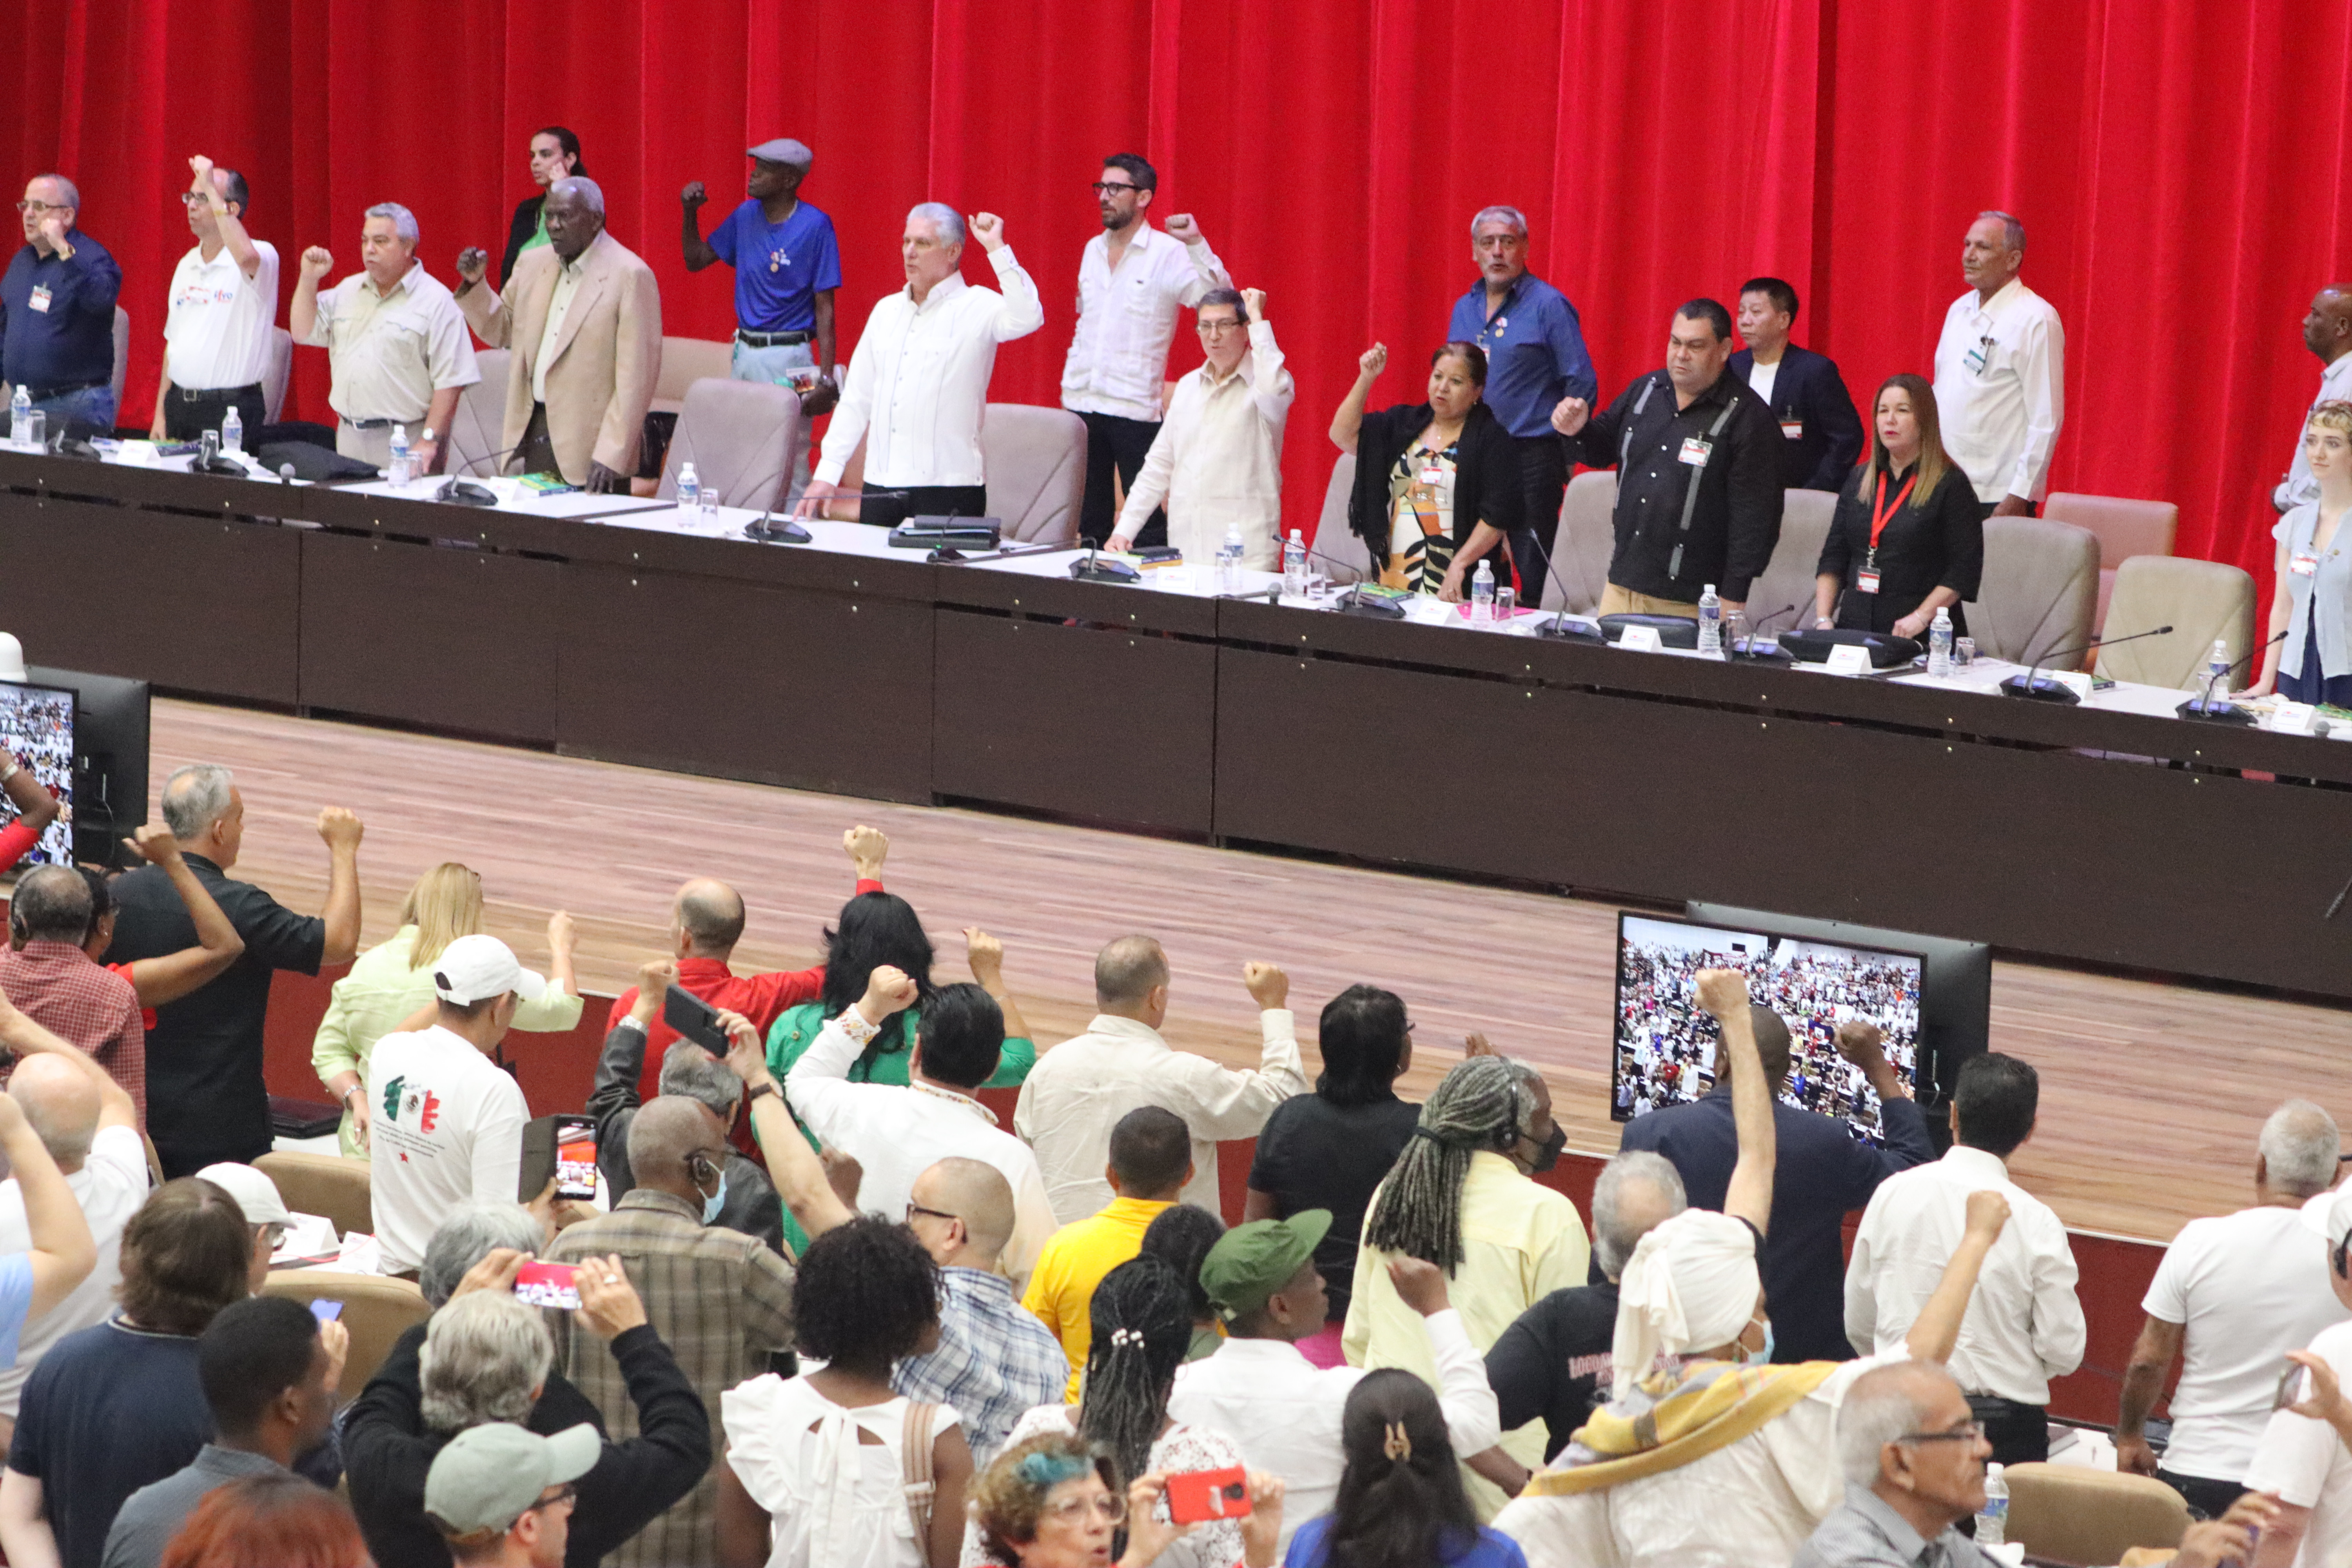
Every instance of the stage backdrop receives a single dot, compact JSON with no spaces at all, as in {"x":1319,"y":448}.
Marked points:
{"x":2180,"y":167}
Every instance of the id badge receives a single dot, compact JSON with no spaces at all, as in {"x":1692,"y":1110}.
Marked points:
{"x":1695,"y":451}
{"x":41,"y":299}
{"x":1794,"y":429}
{"x":1432,"y":475}
{"x":1975,"y":361}
{"x":1865,"y":582}
{"x":2303,"y":565}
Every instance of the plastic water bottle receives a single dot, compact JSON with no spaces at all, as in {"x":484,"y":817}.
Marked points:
{"x":1710,"y":624}
{"x":403,"y":468}
{"x":1294,"y":565}
{"x":1993,"y":1519}
{"x":19,"y":408}
{"x":1939,"y":642}
{"x":1229,"y":562}
{"x":689,"y":488}
{"x":1482,"y":594}
{"x":2217,"y":665}
{"x":232,"y":430}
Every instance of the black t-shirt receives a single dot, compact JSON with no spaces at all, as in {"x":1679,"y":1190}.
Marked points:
{"x":1554,"y":1362}
{"x":1314,"y":1155}
{"x":206,"y":1102}
{"x":107,"y":1410}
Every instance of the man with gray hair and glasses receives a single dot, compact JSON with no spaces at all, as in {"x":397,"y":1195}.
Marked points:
{"x":57,"y":311}
{"x":395,"y":343}
{"x":2001,"y":373}
{"x":2232,"y":1295}
{"x":206,"y":1100}
{"x":917,"y":390}
{"x":1534,"y":357}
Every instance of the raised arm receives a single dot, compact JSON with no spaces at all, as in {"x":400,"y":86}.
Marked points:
{"x":175,"y":975}
{"x":302,"y":310}
{"x":698,"y":254}
{"x":1723,"y":993}
{"x":63,"y":1254}
{"x":798,"y":1175}
{"x":213,"y":186}
{"x":1938,"y":1328}
{"x":36,"y":807}
{"x":1023,"y":313}
{"x":621,"y":1064}
{"x":1349,"y":422}
{"x":341,"y":830}
{"x":987,"y":957}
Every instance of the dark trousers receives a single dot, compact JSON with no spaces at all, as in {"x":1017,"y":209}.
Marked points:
{"x":2032,"y":508}
{"x":1113,"y":442}
{"x":2020,"y":1434}
{"x":2206,"y":1495}
{"x":188,"y":413}
{"x":1543,"y":477}
{"x":890,"y":509}
{"x":537,"y":453}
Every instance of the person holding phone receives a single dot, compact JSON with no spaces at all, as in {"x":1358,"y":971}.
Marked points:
{"x":1048,"y":1502}
{"x":2301,"y":1459}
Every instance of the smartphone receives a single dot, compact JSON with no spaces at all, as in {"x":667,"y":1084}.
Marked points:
{"x":695,"y":1019}
{"x":1196,"y":1497}
{"x":2294,"y":1386}
{"x":326,"y":1312}
{"x":548,"y":1285}
{"x":575,"y":1158}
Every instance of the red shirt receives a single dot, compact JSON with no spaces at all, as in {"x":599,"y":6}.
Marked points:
{"x":60,"y":988}
{"x":146,"y":1015}
{"x":16,"y":841}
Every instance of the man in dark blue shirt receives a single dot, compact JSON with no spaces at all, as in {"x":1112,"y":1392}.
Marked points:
{"x":1535,"y":356}
{"x":57,"y":312}
{"x":1821,"y":434}
{"x":1821,"y":1175}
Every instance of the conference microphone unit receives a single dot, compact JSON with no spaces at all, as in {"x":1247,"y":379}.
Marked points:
{"x":2206,"y":707}
{"x":1092,"y":568}
{"x":1558,"y":627}
{"x":2033,"y":687}
{"x":769,"y":529}
{"x":1753,"y":646}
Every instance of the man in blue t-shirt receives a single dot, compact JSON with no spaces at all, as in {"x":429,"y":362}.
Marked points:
{"x":787,"y":266}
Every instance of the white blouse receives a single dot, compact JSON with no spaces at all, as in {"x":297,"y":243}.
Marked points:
{"x":834,"y":1499}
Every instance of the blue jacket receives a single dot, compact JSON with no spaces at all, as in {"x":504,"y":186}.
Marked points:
{"x":1822,"y":1173}
{"x":70,"y":341}
{"x":1810,"y":390}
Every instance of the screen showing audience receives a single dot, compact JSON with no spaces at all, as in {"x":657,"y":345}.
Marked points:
{"x":36,"y":722}
{"x":1664,"y":1047}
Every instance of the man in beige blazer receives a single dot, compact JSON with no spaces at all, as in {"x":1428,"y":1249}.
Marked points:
{"x":582,"y":315}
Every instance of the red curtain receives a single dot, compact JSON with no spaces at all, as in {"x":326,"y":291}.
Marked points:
{"x":2181,"y":167}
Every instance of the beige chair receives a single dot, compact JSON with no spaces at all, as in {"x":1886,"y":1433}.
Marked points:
{"x":377,"y":1310}
{"x":122,"y":361}
{"x":2073,"y":1513}
{"x":475,"y":430}
{"x":1805,"y":519}
{"x":2040,"y":588}
{"x":740,"y":436}
{"x":1036,"y":465}
{"x":330,"y":1184}
{"x":1338,"y":553}
{"x":686,"y":360}
{"x":275,"y":376}
{"x":1582,"y":546}
{"x":2126,"y":529}
{"x":2202,"y":601}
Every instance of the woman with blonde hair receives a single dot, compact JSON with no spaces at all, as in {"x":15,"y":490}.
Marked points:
{"x":393,"y":980}
{"x":1908,"y":537}
{"x":2311,"y":604}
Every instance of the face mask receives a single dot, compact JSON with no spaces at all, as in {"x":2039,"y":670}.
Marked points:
{"x":1757,"y":1358}
{"x":716,"y":1201}
{"x":1546,"y":1153}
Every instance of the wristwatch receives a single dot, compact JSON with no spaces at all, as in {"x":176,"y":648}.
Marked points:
{"x":758,"y":1090}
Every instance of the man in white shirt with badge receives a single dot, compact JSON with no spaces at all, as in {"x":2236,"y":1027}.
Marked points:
{"x":447,"y":1121}
{"x":1132,"y":278}
{"x":916,"y":391}
{"x":2327,"y":332}
{"x":2024,"y":1325}
{"x":222,"y":314}
{"x":2001,"y":373}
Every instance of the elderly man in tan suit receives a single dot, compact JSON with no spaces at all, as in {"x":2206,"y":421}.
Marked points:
{"x":583,"y":317}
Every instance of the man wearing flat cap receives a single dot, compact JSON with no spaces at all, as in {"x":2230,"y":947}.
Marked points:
{"x":501,"y":1494}
{"x":787,"y":266}
{"x":1281,"y":1409}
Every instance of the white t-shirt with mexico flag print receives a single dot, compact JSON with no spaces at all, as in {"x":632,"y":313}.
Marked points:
{"x":447,"y":1126}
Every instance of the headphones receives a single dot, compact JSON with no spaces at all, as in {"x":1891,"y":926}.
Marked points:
{"x":2337,"y":1256}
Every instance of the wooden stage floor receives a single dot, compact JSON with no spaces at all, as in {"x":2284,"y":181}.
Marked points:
{"x":2152,"y":1093}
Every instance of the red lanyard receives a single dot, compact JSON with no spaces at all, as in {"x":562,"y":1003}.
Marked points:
{"x":1881,"y":514}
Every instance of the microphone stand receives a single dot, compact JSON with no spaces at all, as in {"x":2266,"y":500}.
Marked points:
{"x":1558,"y":627}
{"x":785,"y":533}
{"x":1094,"y":569}
{"x":2029,"y":684}
{"x":2204,"y":709}
{"x":1757,"y":631}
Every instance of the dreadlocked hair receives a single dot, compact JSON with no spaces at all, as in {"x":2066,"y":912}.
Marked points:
{"x":1142,"y":1320}
{"x":1480,"y":1105}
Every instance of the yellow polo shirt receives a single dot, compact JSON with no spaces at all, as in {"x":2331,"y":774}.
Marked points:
{"x":1076,"y":1257}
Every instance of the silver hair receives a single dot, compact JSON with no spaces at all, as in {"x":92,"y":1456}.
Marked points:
{"x":945,"y":218}
{"x":469,"y":1233}
{"x":2013,"y":229}
{"x":1512,"y":216}
{"x":2301,"y":1149}
{"x":404,"y":222}
{"x":73,"y":193}
{"x":194,"y":798}
{"x":1615,"y":1234}
{"x":692,"y":1073}
{"x":590,"y":194}
{"x":486,"y":1355}
{"x":1878,"y":1409}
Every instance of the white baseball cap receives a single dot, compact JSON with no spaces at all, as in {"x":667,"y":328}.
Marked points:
{"x":476,"y":968}
{"x":12,"y":658}
{"x":255,"y":1193}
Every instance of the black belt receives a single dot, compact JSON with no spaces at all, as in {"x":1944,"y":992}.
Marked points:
{"x":43,"y":394}
{"x":772,"y":339}
{"x":374,"y":424}
{"x":226,"y":393}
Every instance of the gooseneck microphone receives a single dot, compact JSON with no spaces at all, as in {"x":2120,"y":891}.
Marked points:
{"x":2032,"y":685}
{"x":2207,"y":710}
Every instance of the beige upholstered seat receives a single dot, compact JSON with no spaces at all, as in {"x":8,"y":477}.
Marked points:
{"x":1804,"y":524}
{"x":1338,"y":553}
{"x":2126,"y":529}
{"x":121,"y":360}
{"x":276,"y":374}
{"x":1584,"y":544}
{"x":1036,"y":465}
{"x":475,"y":428}
{"x":376,"y":1310}
{"x":2041,"y":585}
{"x":2073,"y":1513}
{"x":335,"y":1185}
{"x":2201,"y":601}
{"x":738,"y":435}
{"x":686,"y":360}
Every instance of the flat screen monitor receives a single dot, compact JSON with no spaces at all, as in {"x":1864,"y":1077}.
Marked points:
{"x":36,"y":722}
{"x":110,"y":759}
{"x":1955,"y":1000}
{"x":1665,"y":1043}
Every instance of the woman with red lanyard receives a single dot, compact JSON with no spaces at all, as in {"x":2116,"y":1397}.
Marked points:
{"x":1907,"y":538}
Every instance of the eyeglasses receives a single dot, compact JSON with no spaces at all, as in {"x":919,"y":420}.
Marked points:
{"x":273,"y":1236}
{"x":1968,"y":1433}
{"x":1218,"y":328}
{"x":1110,"y":1506}
{"x":914,"y":1209}
{"x":1104,"y":188}
{"x":43,"y":207}
{"x":565,"y":1496}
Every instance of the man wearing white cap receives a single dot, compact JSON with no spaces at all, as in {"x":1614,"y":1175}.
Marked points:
{"x":448,"y":1121}
{"x":265,"y":1213}
{"x":501,"y":1494}
{"x":1758,"y":1448}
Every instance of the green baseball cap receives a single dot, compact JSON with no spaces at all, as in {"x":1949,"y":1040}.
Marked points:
{"x":491,"y":1476}
{"x":1251,"y":1262}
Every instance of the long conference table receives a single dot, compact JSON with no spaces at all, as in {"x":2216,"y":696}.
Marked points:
{"x":624,"y":629}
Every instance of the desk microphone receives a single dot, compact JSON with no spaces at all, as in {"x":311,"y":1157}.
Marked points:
{"x":2206,"y":709}
{"x":1559,"y":627}
{"x":1352,"y":602}
{"x":1757,"y":631}
{"x":459,"y":490}
{"x":2031,"y":685}
{"x":766,"y":526}
{"x":1094,"y":569}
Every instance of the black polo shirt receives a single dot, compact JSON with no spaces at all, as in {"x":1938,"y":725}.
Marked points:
{"x":205,"y":1100}
{"x":1736,"y":519}
{"x":1554,"y":1362}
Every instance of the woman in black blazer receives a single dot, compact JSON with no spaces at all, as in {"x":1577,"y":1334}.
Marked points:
{"x":1437,"y":483}
{"x":555,"y":153}
{"x":1908,"y":537}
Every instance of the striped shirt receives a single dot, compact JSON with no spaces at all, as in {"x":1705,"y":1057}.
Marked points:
{"x":994,"y":1360}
